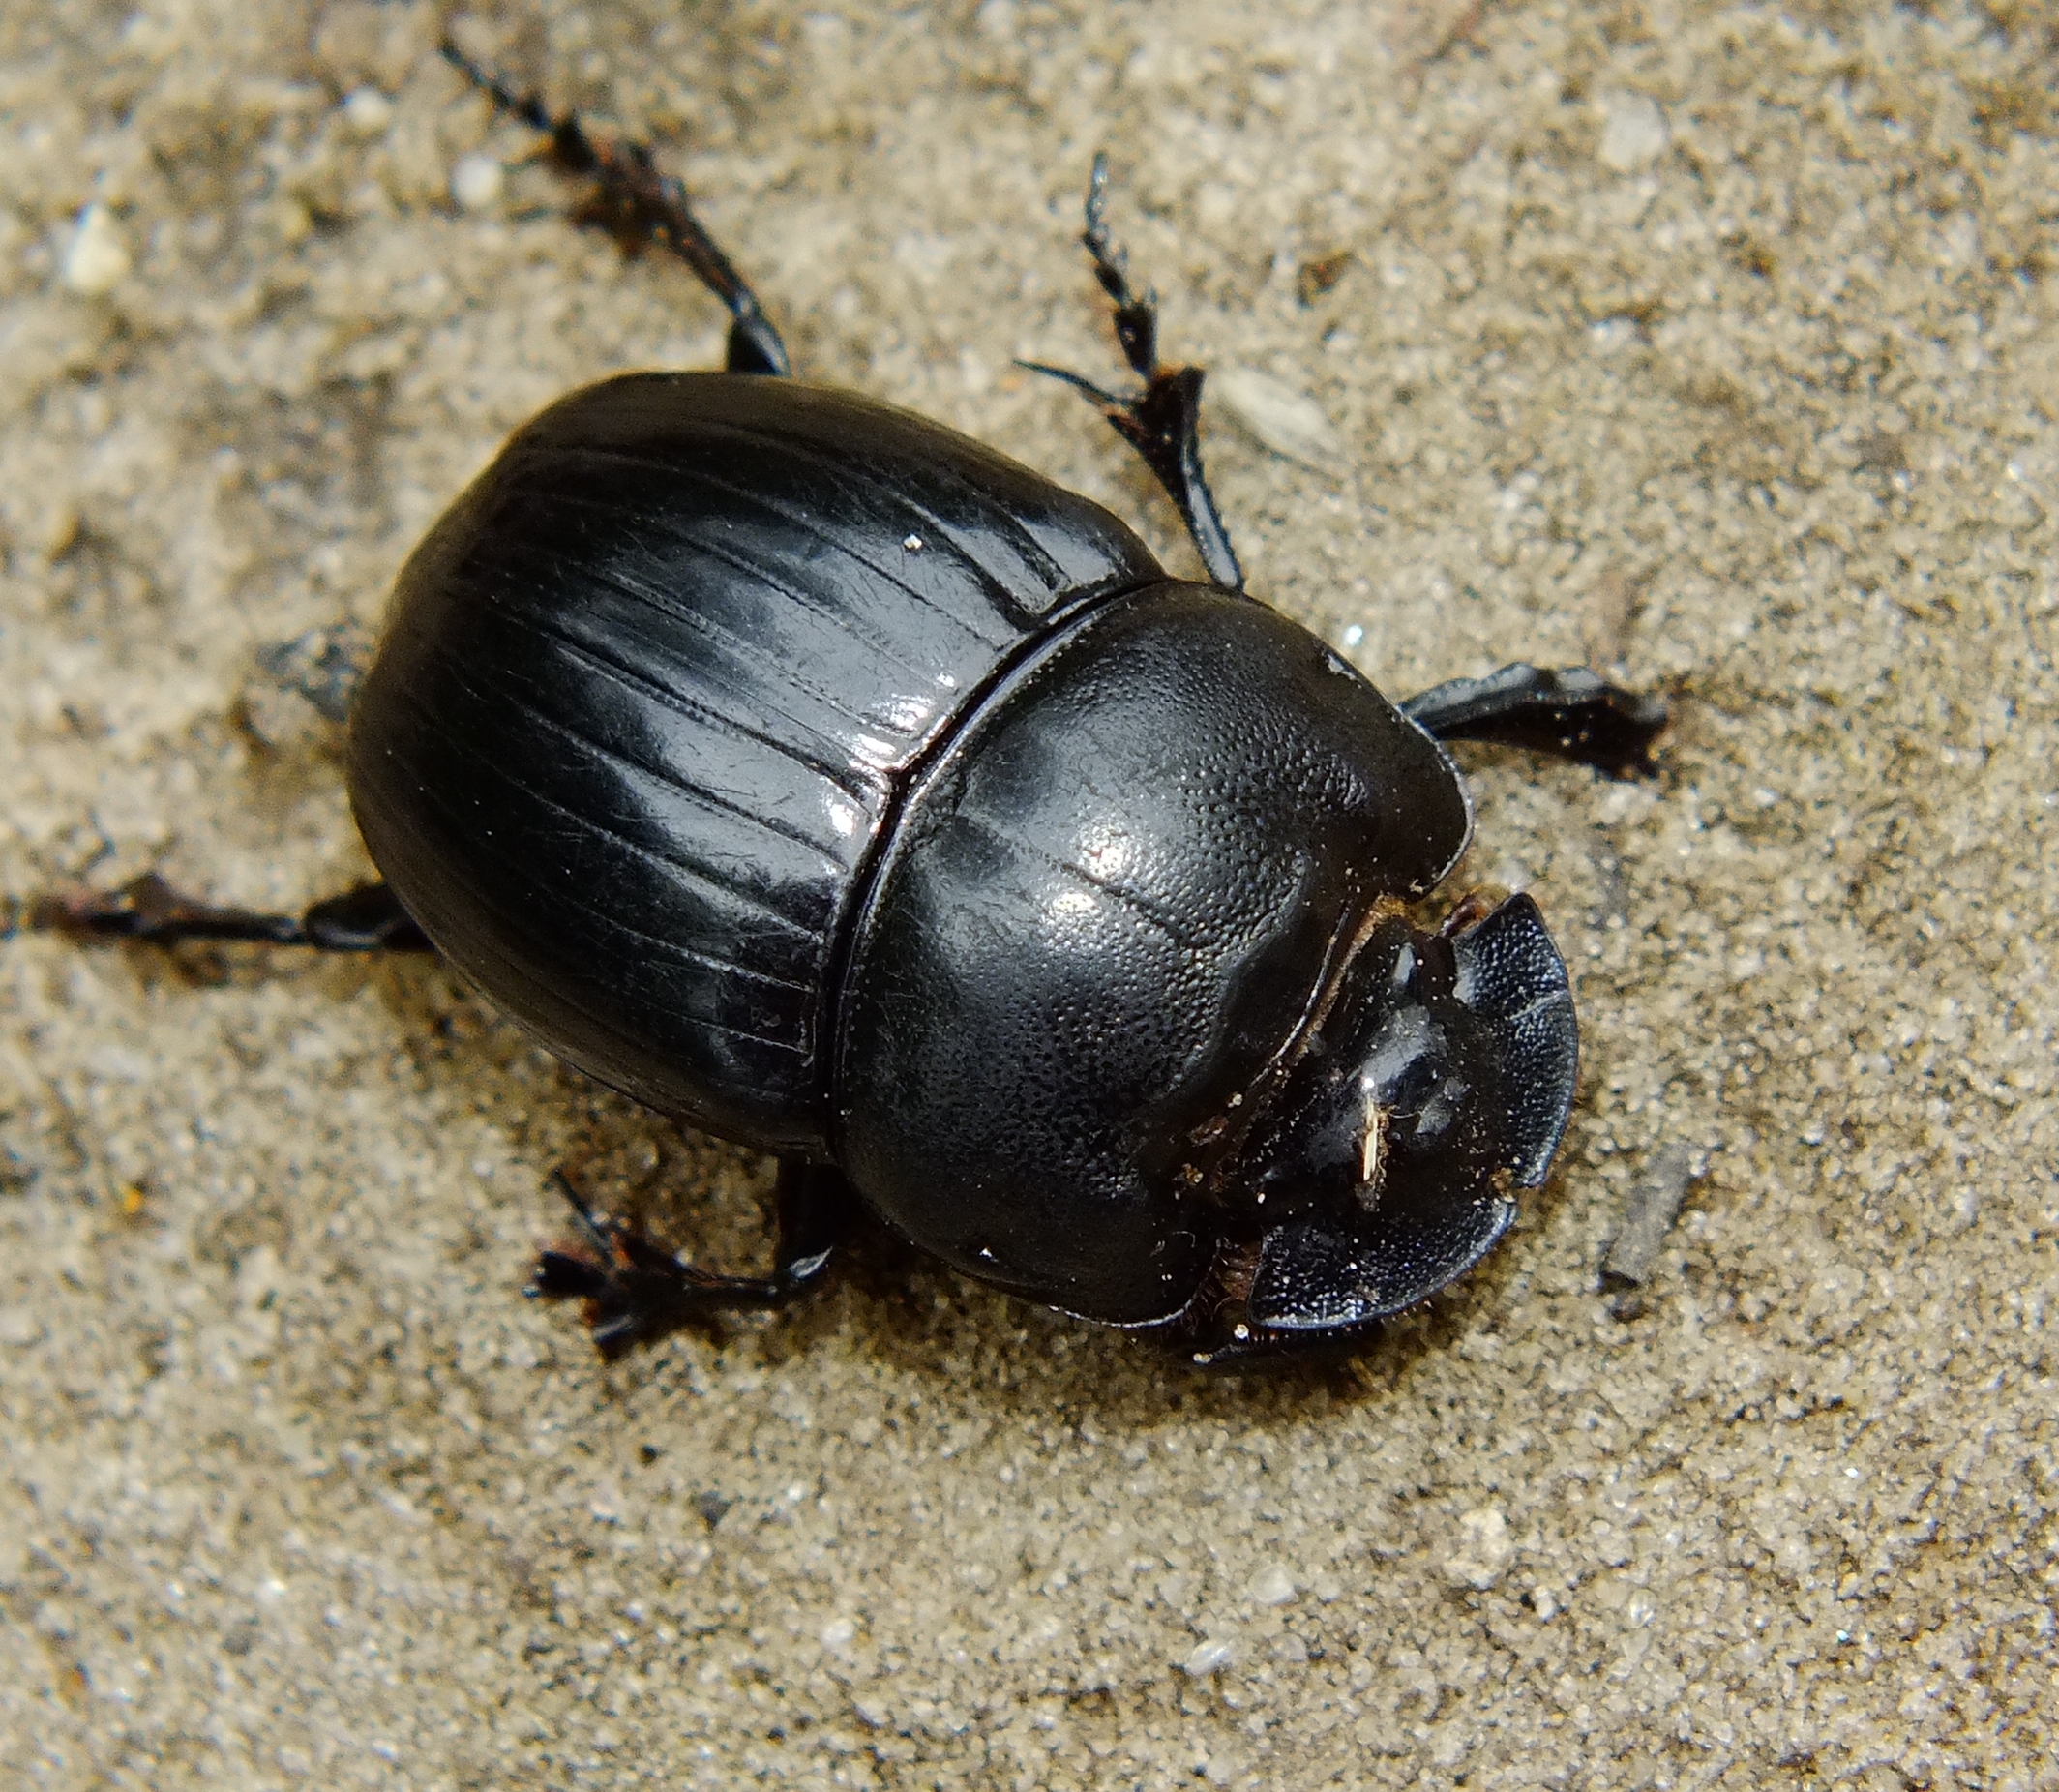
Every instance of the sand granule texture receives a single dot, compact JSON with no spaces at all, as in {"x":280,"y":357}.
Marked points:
{"x":1715,"y":345}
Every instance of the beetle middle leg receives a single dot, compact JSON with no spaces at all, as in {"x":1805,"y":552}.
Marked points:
{"x":635,"y":1291}
{"x":369,"y":919}
{"x":639,"y":206}
{"x":1162,"y":422}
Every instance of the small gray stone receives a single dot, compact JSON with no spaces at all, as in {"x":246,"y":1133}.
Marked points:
{"x":1648,"y":1215}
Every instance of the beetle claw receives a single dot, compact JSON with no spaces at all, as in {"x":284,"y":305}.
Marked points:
{"x":638,"y":1294}
{"x":631,"y":1287}
{"x":596,"y":1231}
{"x":559,"y":1275}
{"x":1079,"y":382}
{"x":635,"y":1291}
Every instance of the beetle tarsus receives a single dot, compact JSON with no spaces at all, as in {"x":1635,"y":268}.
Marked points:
{"x":1573,"y":713}
{"x":1162,"y":422}
{"x":148,"y":908}
{"x":635,"y":1291}
{"x":639,"y":205}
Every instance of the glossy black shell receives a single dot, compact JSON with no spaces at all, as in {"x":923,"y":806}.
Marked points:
{"x":650,"y":693}
{"x":1104,"y":919}
{"x":813,"y":775}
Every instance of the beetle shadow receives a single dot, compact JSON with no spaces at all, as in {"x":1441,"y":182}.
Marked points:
{"x":913,"y":1315}
{"x":990,"y":1354}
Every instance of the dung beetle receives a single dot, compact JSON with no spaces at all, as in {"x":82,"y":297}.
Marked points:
{"x":825,"y":781}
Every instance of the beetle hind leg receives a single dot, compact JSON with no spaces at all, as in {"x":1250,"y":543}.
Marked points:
{"x":639,"y":206}
{"x":635,"y":1291}
{"x":1162,"y":422}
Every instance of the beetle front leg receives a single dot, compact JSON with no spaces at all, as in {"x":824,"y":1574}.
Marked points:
{"x":635,"y":1291}
{"x":1573,"y":713}
{"x":1162,"y":422}
{"x":639,"y":206}
{"x":366,"y":919}
{"x":1214,"y":1330}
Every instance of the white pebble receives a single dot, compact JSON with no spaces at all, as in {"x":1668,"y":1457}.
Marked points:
{"x":18,"y":1325}
{"x":1544,"y":1602}
{"x":1274,"y":1586}
{"x":117,"y":1063}
{"x":1277,"y":417}
{"x":1634,"y":133}
{"x":838,"y":1632}
{"x":1484,"y":1549}
{"x":476,"y":183}
{"x":96,"y":259}
{"x":1210,"y":1655}
{"x":368,"y":112}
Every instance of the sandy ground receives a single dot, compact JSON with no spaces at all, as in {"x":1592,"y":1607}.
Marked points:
{"x":1716,"y":343}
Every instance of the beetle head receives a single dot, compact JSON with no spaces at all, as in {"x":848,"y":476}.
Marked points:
{"x":1437,"y":1081}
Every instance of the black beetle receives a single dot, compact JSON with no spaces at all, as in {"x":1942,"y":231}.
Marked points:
{"x":826,"y":780}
